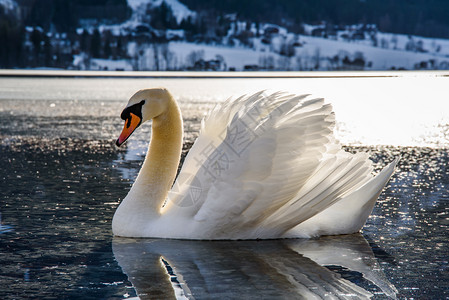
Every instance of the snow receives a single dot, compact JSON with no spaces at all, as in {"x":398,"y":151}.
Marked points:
{"x":305,"y":58}
{"x":381,"y":59}
{"x":8,"y":5}
{"x":234,"y":57}
{"x":308,"y":28}
{"x":378,"y":58}
{"x":385,"y":51}
{"x":137,"y":4}
{"x":111,"y":65}
{"x":82,"y":62}
{"x":174,"y":33}
{"x":429,"y":44}
{"x":180,"y":11}
{"x":282,"y":30}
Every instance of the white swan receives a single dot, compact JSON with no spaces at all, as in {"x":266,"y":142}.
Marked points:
{"x":263,"y":166}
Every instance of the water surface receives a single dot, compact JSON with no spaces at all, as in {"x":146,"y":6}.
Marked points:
{"x":62,"y":178}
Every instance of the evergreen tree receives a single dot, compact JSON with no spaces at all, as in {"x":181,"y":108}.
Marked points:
{"x":107,"y":47}
{"x":162,"y":17}
{"x":47,"y":51}
{"x":11,"y":41}
{"x":119,"y":46}
{"x":95,"y":44}
{"x":36,"y":40}
{"x":84,"y":42}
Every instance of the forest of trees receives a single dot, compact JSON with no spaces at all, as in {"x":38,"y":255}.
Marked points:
{"x":11,"y":40}
{"x":62,"y":18}
{"x":65,"y":15}
{"x":416,"y":17}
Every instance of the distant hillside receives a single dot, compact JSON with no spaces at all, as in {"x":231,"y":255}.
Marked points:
{"x":226,"y":35}
{"x":66,"y":16}
{"x":428,"y":18}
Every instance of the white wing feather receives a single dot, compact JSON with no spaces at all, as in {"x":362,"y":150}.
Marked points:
{"x":263,"y":164}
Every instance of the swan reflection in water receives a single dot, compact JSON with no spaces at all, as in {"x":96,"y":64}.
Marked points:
{"x":181,"y":269}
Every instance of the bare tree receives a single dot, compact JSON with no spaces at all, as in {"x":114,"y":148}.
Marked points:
{"x":316,"y":58}
{"x":156,"y":55}
{"x":167,"y":55}
{"x":221,"y":61}
{"x":267,"y":62}
{"x":283,"y":63}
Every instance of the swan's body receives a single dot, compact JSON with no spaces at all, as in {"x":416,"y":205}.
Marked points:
{"x":263,"y":166}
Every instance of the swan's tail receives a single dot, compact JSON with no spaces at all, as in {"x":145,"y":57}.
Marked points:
{"x":350,"y":213}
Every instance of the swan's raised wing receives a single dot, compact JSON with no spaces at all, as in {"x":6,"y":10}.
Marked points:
{"x":262,"y":164}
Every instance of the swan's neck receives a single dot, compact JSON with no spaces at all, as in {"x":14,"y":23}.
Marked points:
{"x":159,"y":169}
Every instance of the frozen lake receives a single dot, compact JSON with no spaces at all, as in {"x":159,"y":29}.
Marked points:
{"x":62,"y":178}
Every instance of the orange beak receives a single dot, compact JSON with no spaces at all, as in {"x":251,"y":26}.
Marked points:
{"x":131,"y":124}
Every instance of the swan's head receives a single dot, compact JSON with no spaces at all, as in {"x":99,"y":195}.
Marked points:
{"x":142,"y":106}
